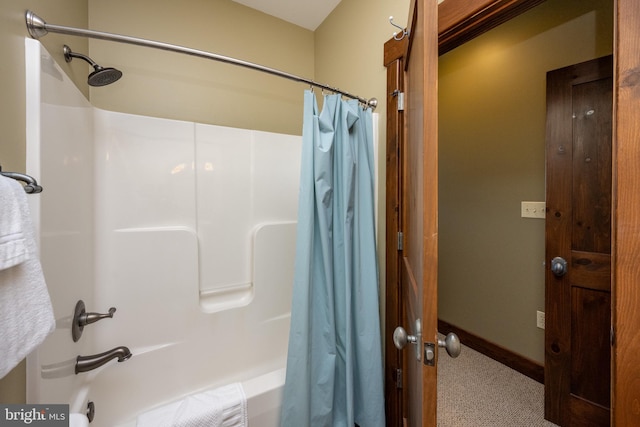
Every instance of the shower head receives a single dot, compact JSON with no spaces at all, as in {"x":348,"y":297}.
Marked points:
{"x":100,"y":76}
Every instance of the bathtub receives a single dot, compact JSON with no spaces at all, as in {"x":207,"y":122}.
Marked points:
{"x":195,"y":250}
{"x":264,"y":396}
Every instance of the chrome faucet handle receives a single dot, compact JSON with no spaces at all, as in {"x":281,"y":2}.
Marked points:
{"x":81,"y":318}
{"x":87,"y":318}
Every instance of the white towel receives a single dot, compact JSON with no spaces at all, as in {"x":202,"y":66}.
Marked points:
{"x":222,"y":407}
{"x":78,"y":420}
{"x":26,"y":315}
{"x":13,"y":242}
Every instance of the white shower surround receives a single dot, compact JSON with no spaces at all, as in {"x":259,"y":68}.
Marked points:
{"x":187,"y":229}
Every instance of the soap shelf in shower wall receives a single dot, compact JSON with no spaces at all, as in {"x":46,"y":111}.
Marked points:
{"x":226,"y":297}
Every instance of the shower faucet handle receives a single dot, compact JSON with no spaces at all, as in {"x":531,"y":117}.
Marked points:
{"x":81,"y":318}
{"x":87,"y":318}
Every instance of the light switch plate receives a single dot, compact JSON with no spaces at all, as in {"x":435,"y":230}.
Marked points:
{"x":540,"y":321}
{"x":533,"y":209}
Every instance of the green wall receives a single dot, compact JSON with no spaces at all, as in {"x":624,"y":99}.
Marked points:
{"x":492,"y":157}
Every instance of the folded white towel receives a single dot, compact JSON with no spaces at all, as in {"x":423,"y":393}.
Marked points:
{"x":26,"y":314}
{"x":222,"y":407}
{"x":78,"y":420}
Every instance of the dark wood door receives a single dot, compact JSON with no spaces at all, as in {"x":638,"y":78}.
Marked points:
{"x":578,"y":230}
{"x":419,"y":209}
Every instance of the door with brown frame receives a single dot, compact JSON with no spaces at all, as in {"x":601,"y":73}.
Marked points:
{"x":447,"y":26}
{"x":415,"y":259}
{"x":578,"y":244}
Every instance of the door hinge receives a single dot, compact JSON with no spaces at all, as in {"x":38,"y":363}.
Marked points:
{"x":612,"y":337}
{"x":400,"y":241}
{"x":400,"y":99}
{"x":398,"y":378}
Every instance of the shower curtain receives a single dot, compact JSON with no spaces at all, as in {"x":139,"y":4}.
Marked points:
{"x":334,"y":363}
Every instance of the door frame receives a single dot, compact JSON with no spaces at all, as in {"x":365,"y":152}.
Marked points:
{"x":462,"y":20}
{"x":394,"y":52}
{"x":625,"y":239}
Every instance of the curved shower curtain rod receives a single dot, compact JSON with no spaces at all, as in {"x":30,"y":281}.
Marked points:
{"x":38,"y":28}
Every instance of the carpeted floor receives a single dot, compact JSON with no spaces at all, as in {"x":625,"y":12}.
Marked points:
{"x":476,"y":391}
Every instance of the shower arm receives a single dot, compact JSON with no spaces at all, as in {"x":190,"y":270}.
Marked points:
{"x":69,"y":55}
{"x":38,"y":28}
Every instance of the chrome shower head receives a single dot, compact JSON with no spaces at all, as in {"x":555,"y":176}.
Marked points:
{"x":103,"y":76}
{"x":100,"y":76}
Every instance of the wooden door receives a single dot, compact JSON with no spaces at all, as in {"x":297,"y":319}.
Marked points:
{"x":419,"y":214}
{"x":412,"y":192}
{"x":578,"y":229}
{"x":466,"y":19}
{"x":626,"y":237}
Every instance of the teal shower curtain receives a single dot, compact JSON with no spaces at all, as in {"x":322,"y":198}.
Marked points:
{"x":334,"y":364}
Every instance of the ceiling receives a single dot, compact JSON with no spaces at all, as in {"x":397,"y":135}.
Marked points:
{"x":308,"y":14}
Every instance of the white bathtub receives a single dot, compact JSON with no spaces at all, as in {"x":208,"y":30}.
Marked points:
{"x":264,"y":396}
{"x":187,"y":229}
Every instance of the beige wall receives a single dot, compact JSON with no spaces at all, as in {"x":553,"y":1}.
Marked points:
{"x":170,"y":85}
{"x":12,"y":33}
{"x":12,"y":107}
{"x":349,"y":55}
{"x":492,"y":157}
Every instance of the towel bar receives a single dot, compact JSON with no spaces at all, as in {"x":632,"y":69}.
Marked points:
{"x":31,"y":184}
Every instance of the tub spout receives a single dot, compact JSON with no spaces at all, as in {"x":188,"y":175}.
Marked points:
{"x":88,"y":363}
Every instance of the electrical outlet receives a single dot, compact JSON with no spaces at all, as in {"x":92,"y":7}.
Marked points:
{"x":540,"y":319}
{"x":532,"y":209}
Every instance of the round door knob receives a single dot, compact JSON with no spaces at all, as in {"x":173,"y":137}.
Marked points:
{"x":452,"y":344}
{"x":401,"y":338}
{"x":559,"y":266}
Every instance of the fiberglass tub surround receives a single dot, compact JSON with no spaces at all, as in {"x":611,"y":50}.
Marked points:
{"x":187,"y":229}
